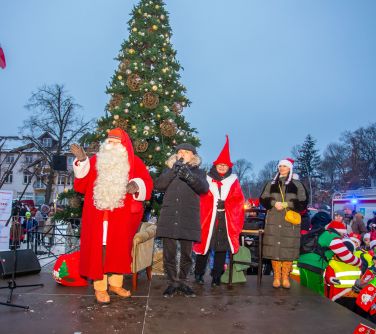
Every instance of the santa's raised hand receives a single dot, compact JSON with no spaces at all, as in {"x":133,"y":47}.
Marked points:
{"x":78,"y":152}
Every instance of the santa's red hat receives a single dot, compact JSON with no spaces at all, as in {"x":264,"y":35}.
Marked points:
{"x":224,"y":156}
{"x":338,"y":226}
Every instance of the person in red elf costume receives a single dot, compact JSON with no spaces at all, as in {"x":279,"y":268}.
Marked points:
{"x":115,"y":183}
{"x":222,"y":217}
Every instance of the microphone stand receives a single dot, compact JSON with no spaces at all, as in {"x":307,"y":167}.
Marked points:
{"x":12,"y":282}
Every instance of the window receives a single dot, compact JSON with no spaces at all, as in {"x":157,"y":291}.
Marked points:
{"x":69,"y":180}
{"x":61,"y":179}
{"x":70,"y":161}
{"x":27,"y":178}
{"x":9,"y":178}
{"x":38,"y":184}
{"x":47,"y":142}
{"x":9,"y":159}
{"x":28,"y":159}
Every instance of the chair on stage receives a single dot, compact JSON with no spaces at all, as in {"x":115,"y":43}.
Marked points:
{"x":142,"y":252}
{"x":254,"y":228}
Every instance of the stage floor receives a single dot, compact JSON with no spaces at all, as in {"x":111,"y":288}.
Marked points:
{"x":245,"y":309}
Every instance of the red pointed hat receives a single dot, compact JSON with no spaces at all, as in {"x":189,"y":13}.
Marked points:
{"x":224,"y":156}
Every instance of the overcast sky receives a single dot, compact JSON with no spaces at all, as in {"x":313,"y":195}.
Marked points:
{"x":265,"y":72}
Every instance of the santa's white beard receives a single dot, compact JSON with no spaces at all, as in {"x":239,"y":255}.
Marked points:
{"x":112,"y":179}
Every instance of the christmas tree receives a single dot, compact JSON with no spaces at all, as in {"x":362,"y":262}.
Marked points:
{"x":147,"y":99}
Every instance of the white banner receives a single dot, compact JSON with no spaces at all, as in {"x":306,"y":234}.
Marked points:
{"x":6,"y":198}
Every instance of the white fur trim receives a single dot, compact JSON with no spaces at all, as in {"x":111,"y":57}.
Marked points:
{"x":225,"y":189}
{"x":286,"y":163}
{"x":141,"y":189}
{"x":81,"y":168}
{"x":340,"y":294}
{"x":105,"y":228}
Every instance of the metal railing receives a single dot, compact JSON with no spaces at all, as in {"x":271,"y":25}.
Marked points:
{"x":49,"y":239}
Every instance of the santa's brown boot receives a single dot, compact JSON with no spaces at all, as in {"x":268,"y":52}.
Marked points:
{"x":102,"y":297}
{"x":276,"y":273}
{"x":286,"y":270}
{"x":116,"y":286}
{"x":100,"y":288}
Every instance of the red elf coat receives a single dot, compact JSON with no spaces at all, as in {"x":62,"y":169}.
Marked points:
{"x":232,"y":194}
{"x":123,"y":222}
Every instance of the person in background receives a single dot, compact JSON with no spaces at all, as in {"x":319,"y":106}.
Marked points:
{"x":357,"y":225}
{"x":313,"y":264}
{"x":281,"y":242}
{"x":367,"y":241}
{"x":29,"y":225}
{"x":179,"y":221}
{"x":371,"y":221}
{"x":222,"y":217}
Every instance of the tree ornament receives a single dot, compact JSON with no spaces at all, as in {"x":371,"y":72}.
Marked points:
{"x":168,"y":128}
{"x":120,"y":77}
{"x":122,"y":124}
{"x":126,"y":111}
{"x":155,"y":27}
{"x":162,"y":17}
{"x":131,"y":51}
{"x":123,"y":66}
{"x":157,"y":148}
{"x":115,"y":101}
{"x":134,"y":82}
{"x":141,"y":145}
{"x":177,"y":108}
{"x":134,"y":29}
{"x":133,"y":127}
{"x":150,"y":100}
{"x":154,"y":88}
{"x":116,"y":116}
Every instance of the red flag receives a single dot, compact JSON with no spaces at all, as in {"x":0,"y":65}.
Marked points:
{"x":2,"y":58}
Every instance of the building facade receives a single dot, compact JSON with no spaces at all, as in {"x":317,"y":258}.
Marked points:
{"x":24,"y":171}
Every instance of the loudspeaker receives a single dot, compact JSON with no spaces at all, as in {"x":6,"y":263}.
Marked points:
{"x":59,"y":163}
{"x":27,"y":263}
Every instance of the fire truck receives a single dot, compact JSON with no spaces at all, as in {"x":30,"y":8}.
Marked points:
{"x":361,"y":200}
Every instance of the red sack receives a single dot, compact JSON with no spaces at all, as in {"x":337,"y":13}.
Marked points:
{"x":66,"y":270}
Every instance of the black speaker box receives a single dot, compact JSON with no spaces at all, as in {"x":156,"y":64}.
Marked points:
{"x":59,"y":163}
{"x":27,"y":263}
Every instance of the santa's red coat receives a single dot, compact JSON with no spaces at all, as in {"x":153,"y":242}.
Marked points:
{"x":123,"y":224}
{"x":232,"y":194}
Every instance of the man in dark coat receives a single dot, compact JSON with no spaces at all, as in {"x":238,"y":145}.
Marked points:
{"x":179,"y":221}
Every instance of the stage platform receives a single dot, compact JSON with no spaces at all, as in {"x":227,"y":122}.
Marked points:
{"x":244,"y":309}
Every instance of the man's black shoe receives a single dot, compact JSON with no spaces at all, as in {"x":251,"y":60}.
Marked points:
{"x":216,"y":282}
{"x":187,"y":291}
{"x":199,"y":279}
{"x":169,"y":292}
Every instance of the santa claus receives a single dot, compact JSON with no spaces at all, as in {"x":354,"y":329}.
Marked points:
{"x":222,"y":217}
{"x":115,"y":183}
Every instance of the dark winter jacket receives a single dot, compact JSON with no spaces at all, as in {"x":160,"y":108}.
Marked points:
{"x":180,"y":213}
{"x":281,"y":238}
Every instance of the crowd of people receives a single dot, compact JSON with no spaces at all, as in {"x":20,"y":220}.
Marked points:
{"x":30,"y":223}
